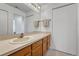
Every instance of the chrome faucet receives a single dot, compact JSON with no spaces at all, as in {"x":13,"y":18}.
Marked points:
{"x":21,"y":35}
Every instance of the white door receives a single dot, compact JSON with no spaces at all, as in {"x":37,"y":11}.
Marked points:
{"x":3,"y":22}
{"x":65,"y":29}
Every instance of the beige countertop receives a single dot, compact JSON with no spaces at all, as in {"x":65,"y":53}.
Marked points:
{"x":7,"y":48}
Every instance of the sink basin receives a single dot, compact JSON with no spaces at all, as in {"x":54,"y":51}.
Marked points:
{"x":21,"y":40}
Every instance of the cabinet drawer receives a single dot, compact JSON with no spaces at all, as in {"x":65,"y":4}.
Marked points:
{"x":22,"y":52}
{"x":36,"y":44}
{"x":37,"y":51}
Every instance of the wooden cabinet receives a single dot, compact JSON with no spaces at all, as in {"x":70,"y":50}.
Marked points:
{"x":37,"y":48}
{"x":22,"y":52}
{"x":45,"y":40}
{"x":49,"y":38}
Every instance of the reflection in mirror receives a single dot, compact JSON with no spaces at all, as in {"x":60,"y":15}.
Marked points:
{"x":3,"y":22}
{"x":18,"y":24}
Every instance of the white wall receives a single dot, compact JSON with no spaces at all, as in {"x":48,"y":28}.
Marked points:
{"x":11,"y":11}
{"x":78,"y":31}
{"x":65,"y":29}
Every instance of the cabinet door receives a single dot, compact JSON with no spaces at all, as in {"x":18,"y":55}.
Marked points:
{"x":22,"y":52}
{"x":45,"y":46}
{"x":37,"y":51}
{"x":36,"y":44}
{"x":37,"y":48}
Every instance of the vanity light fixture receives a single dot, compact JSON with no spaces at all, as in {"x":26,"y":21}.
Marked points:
{"x":33,"y":6}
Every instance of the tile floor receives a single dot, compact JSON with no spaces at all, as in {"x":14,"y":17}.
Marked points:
{"x":56,"y":53}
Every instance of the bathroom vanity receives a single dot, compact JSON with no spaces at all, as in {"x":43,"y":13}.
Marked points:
{"x":38,"y":46}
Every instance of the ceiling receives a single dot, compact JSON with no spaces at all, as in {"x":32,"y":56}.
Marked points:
{"x":20,"y":6}
{"x":26,"y":9}
{"x":54,"y":5}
